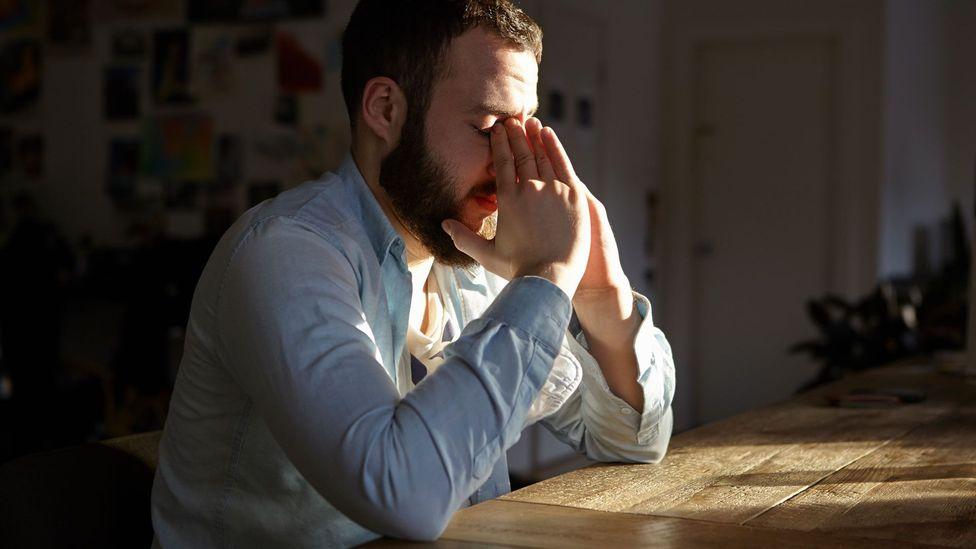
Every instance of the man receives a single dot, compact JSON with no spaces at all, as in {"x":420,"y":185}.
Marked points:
{"x":360,"y":356}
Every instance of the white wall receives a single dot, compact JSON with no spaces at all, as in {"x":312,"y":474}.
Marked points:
{"x":915,"y":171}
{"x":929,"y":124}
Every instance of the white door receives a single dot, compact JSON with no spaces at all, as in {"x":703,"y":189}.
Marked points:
{"x":763,"y":166}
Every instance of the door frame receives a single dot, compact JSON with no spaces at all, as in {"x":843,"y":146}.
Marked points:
{"x":857,"y":188}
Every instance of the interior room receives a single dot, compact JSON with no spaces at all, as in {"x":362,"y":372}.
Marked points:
{"x":790,"y":186}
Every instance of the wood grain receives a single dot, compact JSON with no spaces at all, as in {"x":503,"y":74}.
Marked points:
{"x":802,"y":465}
{"x":515,"y":524}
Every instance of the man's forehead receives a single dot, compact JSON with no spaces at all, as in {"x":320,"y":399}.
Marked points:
{"x":493,"y":76}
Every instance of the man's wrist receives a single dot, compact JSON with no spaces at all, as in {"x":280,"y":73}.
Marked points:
{"x":604,"y":311}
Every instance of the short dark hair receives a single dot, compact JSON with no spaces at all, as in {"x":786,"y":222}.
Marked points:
{"x":406,"y":40}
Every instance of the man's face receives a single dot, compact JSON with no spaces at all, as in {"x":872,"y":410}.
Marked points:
{"x":442,"y":167}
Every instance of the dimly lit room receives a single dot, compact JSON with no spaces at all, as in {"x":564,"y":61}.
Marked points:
{"x":528,"y":273}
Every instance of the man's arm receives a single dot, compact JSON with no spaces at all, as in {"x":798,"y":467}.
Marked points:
{"x":600,"y":424}
{"x":293,"y":333}
{"x":610,"y":320}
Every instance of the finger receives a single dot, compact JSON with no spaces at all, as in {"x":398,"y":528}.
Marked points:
{"x":465,"y":240}
{"x":557,"y":156}
{"x":534,"y":132}
{"x":525,"y":166}
{"x":503,"y":160}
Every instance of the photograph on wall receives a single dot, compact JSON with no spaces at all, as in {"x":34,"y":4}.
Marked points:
{"x":30,"y":156}
{"x":19,"y":17}
{"x":122,"y":85}
{"x":121,"y":10}
{"x":298,"y":70}
{"x":171,"y":71}
{"x":178,"y":147}
{"x":123,"y":169}
{"x":129,"y":44}
{"x":69,"y":23}
{"x":212,"y":62}
{"x":20,"y":75}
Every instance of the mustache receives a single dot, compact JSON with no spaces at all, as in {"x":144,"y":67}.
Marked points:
{"x":486,"y":188}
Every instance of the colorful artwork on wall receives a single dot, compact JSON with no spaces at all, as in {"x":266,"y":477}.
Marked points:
{"x":121,"y":99}
{"x":212,"y":62}
{"x":20,"y":75}
{"x":178,"y":147}
{"x":298,"y":70}
{"x":171,"y":71}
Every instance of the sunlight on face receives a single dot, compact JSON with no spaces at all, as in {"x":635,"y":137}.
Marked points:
{"x":487,"y":80}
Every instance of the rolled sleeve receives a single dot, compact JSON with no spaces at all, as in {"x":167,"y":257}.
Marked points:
{"x":604,"y":426}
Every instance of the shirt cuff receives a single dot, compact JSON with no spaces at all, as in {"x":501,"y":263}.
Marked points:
{"x":536,"y":306}
{"x":654,"y":374}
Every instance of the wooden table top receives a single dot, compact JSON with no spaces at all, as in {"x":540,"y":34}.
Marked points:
{"x":795,"y":474}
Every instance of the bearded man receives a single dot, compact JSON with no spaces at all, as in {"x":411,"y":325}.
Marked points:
{"x":363,"y":349}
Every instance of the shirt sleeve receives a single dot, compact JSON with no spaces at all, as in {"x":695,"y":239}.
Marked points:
{"x":293,"y":332}
{"x":603,"y":426}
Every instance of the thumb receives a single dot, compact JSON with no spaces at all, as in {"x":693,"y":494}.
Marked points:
{"x":467,"y":241}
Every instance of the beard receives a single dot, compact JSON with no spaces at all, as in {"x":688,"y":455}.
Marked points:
{"x":422,"y":194}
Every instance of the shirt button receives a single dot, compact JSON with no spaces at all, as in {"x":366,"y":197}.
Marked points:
{"x":625,"y":410}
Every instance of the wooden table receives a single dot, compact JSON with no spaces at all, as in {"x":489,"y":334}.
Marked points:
{"x":794,"y":474}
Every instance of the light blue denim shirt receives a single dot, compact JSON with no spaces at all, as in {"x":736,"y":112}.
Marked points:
{"x":291,"y":423}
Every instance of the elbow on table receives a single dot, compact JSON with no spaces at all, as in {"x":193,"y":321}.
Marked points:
{"x":418,"y":523}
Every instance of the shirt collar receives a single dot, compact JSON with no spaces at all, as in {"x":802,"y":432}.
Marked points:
{"x":380,"y":232}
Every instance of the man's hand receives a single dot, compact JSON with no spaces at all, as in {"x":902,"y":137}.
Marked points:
{"x":603,"y":300}
{"x":604,"y":272}
{"x":543,"y":222}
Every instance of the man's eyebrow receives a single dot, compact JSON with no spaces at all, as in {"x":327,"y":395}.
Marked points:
{"x":499,"y":111}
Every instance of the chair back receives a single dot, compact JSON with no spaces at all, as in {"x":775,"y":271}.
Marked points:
{"x":93,"y":495}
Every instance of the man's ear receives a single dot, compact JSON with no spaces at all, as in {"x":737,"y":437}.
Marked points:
{"x":384,"y":110}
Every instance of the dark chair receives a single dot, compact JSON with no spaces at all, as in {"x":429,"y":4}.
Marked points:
{"x":94,"y":495}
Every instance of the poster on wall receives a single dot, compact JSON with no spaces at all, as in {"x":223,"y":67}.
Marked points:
{"x":69,"y":23}
{"x":178,"y":147}
{"x":20,"y":75}
{"x":122,"y":85}
{"x":298,"y":70}
{"x":171,"y":71}
{"x":223,"y":11}
{"x":212,"y":62}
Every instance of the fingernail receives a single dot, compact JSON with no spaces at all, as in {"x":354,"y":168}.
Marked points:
{"x":446,"y":226}
{"x":497,"y":127}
